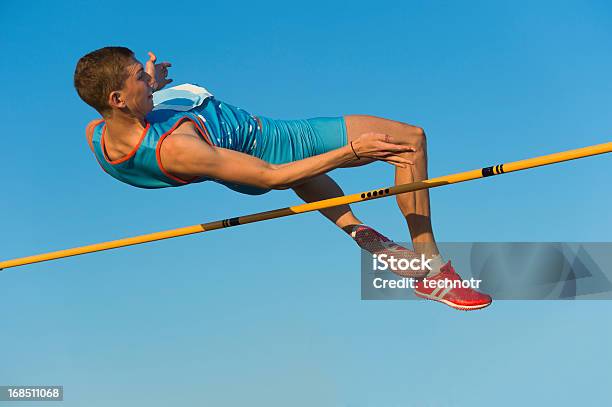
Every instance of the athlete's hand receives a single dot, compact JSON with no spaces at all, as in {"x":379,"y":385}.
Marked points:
{"x":382,"y":147}
{"x":157,"y":72}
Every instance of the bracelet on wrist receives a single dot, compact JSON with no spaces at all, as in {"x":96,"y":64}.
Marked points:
{"x":354,"y":152}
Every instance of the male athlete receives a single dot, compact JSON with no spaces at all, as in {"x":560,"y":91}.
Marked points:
{"x":196,"y":138}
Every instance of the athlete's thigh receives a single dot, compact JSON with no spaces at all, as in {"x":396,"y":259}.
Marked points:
{"x":358,"y":124}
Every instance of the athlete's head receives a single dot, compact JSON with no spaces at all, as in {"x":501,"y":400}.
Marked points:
{"x":111,"y":78}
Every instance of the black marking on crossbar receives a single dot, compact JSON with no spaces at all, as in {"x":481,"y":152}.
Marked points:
{"x":377,"y":193}
{"x":231,"y":222}
{"x":493,"y":170}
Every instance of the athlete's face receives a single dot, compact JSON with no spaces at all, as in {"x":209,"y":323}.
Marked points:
{"x":137,"y":94}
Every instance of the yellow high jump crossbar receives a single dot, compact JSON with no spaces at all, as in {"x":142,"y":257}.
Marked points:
{"x":313,"y":206}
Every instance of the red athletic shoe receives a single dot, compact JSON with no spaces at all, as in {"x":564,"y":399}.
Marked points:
{"x":456,"y":296}
{"x":376,"y":243}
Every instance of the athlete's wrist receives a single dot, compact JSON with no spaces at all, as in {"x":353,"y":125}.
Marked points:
{"x":354,"y":151}
{"x":356,"y":147}
{"x":348,"y":156}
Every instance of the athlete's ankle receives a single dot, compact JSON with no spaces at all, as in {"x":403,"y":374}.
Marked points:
{"x":350,"y":229}
{"x":368,"y":238}
{"x":436,"y":264}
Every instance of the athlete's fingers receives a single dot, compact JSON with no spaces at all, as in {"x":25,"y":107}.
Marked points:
{"x":395,"y":155}
{"x":387,"y":140}
{"x":399,"y":165}
{"x":150,"y":66}
{"x":396,"y":159}
{"x":403,"y":163}
{"x":399,"y":158}
{"x":390,"y":156}
{"x":397,"y":147}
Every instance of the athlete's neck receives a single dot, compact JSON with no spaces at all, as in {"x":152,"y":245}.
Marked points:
{"x":122,"y":133}
{"x":121,"y":123}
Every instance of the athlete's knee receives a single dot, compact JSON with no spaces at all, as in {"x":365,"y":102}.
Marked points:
{"x":415,"y":136}
{"x":420,"y":139}
{"x":415,"y":131}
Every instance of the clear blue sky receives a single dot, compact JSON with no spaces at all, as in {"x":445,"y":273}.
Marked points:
{"x":269,"y":314}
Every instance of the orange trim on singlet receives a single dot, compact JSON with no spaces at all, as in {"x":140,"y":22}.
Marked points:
{"x":161,"y":139}
{"x":89,"y":130}
{"x":89,"y":133}
{"x":130,"y":154}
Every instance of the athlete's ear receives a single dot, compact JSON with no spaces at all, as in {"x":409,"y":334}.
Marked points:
{"x":115,"y":99}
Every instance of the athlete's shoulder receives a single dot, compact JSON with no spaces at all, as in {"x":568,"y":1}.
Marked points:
{"x":89,"y":131}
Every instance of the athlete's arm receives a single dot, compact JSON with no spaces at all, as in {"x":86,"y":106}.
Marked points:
{"x":187,"y":156}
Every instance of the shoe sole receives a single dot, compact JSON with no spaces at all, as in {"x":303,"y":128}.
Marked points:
{"x":452,"y":304}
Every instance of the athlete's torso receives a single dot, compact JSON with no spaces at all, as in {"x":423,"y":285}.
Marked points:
{"x":138,"y":161}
